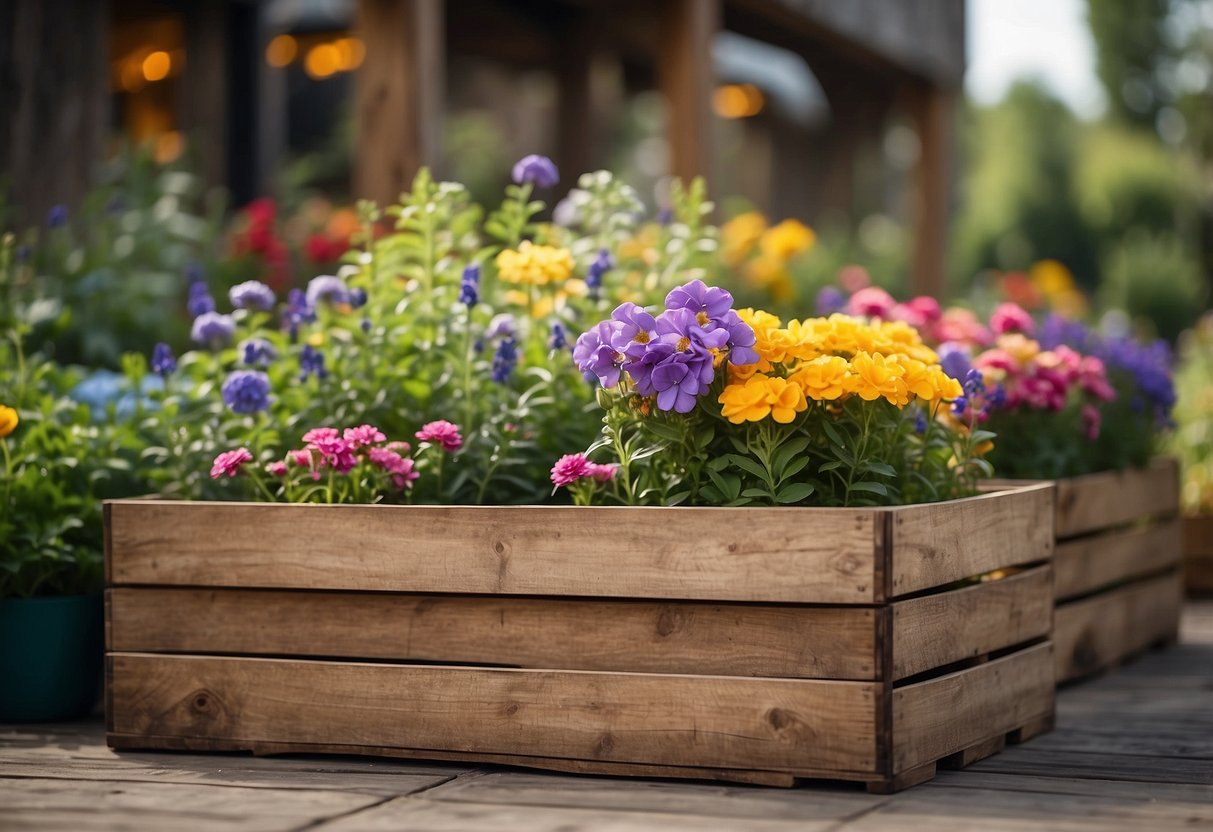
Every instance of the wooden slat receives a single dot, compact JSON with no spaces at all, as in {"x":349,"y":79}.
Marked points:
{"x":696,"y":721}
{"x":806,"y":555}
{"x":938,"y":717}
{"x":938,"y":543}
{"x":936,"y":630}
{"x":1198,"y":554}
{"x":727,"y":640}
{"x":1112,"y":498}
{"x":1085,"y":564}
{"x":685,"y":75}
{"x":1097,"y":632}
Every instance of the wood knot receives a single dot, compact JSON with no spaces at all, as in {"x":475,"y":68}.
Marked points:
{"x":732,"y":548}
{"x":200,"y":702}
{"x":668,"y":622}
{"x":606,"y":744}
{"x":780,"y":719}
{"x":511,"y":709}
{"x":499,"y":547}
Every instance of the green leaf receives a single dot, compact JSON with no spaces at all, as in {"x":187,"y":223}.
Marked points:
{"x":795,"y":468}
{"x":833,"y":433}
{"x":872,"y":487}
{"x":749,"y":465}
{"x":878,"y":468}
{"x":788,"y":451}
{"x":794,"y":493}
{"x":829,"y":466}
{"x":757,"y":493}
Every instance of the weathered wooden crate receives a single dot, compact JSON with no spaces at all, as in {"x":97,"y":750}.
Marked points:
{"x":751,"y":645}
{"x":1116,"y":569}
{"x":1198,"y":554}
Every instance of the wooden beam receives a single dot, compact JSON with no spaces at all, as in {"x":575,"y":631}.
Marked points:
{"x":203,"y":106}
{"x":933,"y":113}
{"x":54,"y":93}
{"x":399,"y":94}
{"x":686,"y":80}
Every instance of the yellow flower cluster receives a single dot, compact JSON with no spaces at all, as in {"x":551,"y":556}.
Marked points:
{"x":533,"y":265}
{"x":775,"y":245}
{"x":825,"y":359}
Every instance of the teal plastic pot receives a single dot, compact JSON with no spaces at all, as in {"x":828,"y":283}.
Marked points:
{"x":50,"y":657}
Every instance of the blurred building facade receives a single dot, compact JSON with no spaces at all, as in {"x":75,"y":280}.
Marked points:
{"x":806,"y":108}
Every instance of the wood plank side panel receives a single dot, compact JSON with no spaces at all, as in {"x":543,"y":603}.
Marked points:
{"x":939,"y":717}
{"x":1198,"y":554}
{"x":695,"y":721}
{"x":1112,"y":498}
{"x":801,"y":555}
{"x":936,"y":630}
{"x":548,"y":633}
{"x":1098,"y":632}
{"x":938,"y":543}
{"x":1085,"y":564}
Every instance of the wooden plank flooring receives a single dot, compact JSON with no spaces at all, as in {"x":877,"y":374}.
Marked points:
{"x":1133,"y":750}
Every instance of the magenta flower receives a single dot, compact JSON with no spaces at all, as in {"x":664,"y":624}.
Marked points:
{"x":363,"y":435}
{"x":321,"y":435}
{"x":1011,"y":317}
{"x":442,"y":433}
{"x":230,"y":462}
{"x":602,"y":473}
{"x":276,"y":469}
{"x":871,"y":302}
{"x":401,"y":468}
{"x":398,"y":447}
{"x":570,"y":468}
{"x":336,"y":452}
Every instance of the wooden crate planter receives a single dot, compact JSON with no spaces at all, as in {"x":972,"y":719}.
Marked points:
{"x":1116,"y":569}
{"x":1198,"y":554}
{"x":751,"y":645}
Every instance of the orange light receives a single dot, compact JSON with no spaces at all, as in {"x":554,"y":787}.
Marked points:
{"x":322,"y":61}
{"x":130,"y":75}
{"x":737,"y":101}
{"x":157,"y":66}
{"x":168,"y":147}
{"x":350,"y":53}
{"x":281,"y":51}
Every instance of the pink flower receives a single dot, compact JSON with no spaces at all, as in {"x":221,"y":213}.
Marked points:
{"x":276,"y":469}
{"x":907,"y":314}
{"x":441,"y":433}
{"x":399,"y":447}
{"x":399,"y":467}
{"x":853,"y":278}
{"x":321,"y":435}
{"x":1011,"y":317}
{"x":871,"y":302}
{"x":1094,"y":378}
{"x":229,"y":462}
{"x":302,"y":457}
{"x":1091,"y":419}
{"x":603,"y":473}
{"x":363,"y":435}
{"x":927,"y":307}
{"x":957,"y":324}
{"x":337,"y":453}
{"x":570,"y":468}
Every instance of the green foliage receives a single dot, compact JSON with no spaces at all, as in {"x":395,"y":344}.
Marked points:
{"x":1192,"y":441}
{"x":1155,"y":279}
{"x":1130,"y":49}
{"x":109,"y":280}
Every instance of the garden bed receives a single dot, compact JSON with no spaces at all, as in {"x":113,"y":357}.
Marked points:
{"x":752,"y":645}
{"x":1117,"y":576}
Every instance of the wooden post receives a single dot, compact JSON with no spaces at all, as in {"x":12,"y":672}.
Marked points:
{"x":204,"y":97}
{"x":932,"y":110}
{"x":684,"y":72}
{"x":399,"y":94}
{"x":577,"y":127}
{"x":54,"y":91}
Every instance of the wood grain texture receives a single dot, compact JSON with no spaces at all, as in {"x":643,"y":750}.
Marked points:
{"x":696,"y":721}
{"x":936,"y":630}
{"x":1085,"y":564}
{"x":547,"y":633}
{"x":942,"y":716}
{"x":1098,"y":632}
{"x":794,"y":555}
{"x":1112,"y":498}
{"x":936,"y":544}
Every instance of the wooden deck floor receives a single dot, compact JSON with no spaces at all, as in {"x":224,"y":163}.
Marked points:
{"x":1133,"y":750}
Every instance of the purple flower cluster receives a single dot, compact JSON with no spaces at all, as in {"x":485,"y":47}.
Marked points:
{"x":602,"y":264}
{"x":538,"y":170}
{"x":164,"y":363}
{"x":258,"y":352}
{"x":978,"y":401}
{"x":505,"y":359}
{"x":311,"y":363}
{"x":673,"y":355}
{"x":469,"y":285}
{"x":212,"y":329}
{"x":297,"y":312}
{"x":253,"y":295}
{"x":246,"y":391}
{"x":200,"y":301}
{"x":327,"y":288}
{"x":1146,"y":368}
